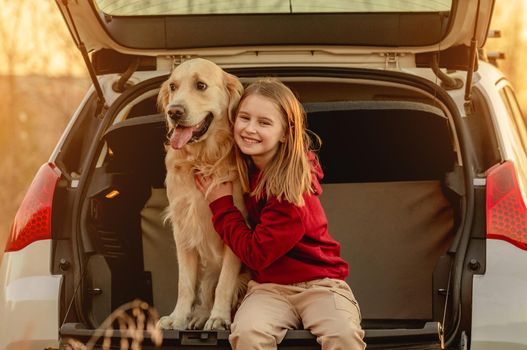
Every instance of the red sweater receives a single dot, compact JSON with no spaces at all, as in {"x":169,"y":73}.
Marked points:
{"x":287,"y":243}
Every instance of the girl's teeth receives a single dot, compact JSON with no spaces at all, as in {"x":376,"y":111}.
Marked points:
{"x":250,"y":140}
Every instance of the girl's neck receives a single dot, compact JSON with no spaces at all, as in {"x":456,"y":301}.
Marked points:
{"x":258,"y":163}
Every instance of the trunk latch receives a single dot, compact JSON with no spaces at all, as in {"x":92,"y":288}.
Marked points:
{"x":391,"y":60}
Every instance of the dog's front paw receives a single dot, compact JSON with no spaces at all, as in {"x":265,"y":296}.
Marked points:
{"x":197,"y":322}
{"x":199,"y":316}
{"x":217,"y":323}
{"x":169,"y":322}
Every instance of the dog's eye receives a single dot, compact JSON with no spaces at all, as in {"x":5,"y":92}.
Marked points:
{"x":201,"y":85}
{"x":173,"y":87}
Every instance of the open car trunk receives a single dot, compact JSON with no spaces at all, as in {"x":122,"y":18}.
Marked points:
{"x":388,"y":154}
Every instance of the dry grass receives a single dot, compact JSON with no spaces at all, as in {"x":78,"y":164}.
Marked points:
{"x":133,"y":319}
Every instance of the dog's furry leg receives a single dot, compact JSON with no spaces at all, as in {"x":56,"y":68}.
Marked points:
{"x":205,"y":298}
{"x":220,"y":316}
{"x":188,"y":262}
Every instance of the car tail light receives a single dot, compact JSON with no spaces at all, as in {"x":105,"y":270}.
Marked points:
{"x":33,"y":218}
{"x":506,"y":211}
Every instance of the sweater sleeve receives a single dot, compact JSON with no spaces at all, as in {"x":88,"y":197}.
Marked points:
{"x":280,"y":228}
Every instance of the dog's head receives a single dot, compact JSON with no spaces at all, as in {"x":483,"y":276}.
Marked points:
{"x":197,"y":95}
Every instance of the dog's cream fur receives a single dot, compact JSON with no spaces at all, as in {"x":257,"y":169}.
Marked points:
{"x":210,"y":281}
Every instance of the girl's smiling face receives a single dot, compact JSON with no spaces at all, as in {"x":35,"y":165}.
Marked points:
{"x":259,"y":129}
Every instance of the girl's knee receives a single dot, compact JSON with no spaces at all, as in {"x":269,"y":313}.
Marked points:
{"x":245,"y":328}
{"x":251,"y":327}
{"x":350,"y":338}
{"x":342,"y":335}
{"x":251,"y":335}
{"x":350,"y":328}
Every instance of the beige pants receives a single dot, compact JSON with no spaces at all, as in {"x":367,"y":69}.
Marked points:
{"x":326,"y":307}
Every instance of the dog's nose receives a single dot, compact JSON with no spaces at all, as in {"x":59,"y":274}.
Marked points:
{"x":176,"y":112}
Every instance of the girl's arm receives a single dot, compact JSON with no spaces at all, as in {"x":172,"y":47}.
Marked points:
{"x":211,"y":194}
{"x":279,"y":230}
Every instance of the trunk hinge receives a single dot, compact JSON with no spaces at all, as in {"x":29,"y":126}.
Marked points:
{"x":122,"y":84}
{"x":472,"y":63}
{"x":447,"y":82}
{"x":101,"y":103}
{"x":391,"y":60}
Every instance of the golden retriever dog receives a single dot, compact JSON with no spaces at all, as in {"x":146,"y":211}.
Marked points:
{"x":197,"y":100}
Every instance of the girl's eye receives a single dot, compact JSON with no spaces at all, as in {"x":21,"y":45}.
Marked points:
{"x":172,"y":86}
{"x":201,"y":86}
{"x":243,"y":117}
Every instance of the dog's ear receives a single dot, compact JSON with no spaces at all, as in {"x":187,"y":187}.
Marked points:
{"x":162,"y":97}
{"x":235,"y":91}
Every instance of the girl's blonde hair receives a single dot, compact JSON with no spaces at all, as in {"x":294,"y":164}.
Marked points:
{"x":288,"y":175}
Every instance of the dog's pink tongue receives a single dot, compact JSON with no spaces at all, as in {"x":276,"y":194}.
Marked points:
{"x":180,"y":137}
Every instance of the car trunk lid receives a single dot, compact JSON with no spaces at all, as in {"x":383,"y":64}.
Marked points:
{"x":333,"y":32}
{"x":159,"y":27}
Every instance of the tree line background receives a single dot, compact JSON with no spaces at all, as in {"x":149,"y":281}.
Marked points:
{"x":43,"y":79}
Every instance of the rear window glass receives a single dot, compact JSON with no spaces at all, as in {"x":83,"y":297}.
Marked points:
{"x":201,"y":7}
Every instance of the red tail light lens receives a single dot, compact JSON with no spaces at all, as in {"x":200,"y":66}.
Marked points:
{"x":33,"y":219}
{"x":506,"y":211}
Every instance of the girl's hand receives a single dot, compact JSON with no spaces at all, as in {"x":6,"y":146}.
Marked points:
{"x":211,"y":194}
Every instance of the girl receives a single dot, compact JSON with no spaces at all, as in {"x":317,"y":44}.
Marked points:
{"x":298,"y":274}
